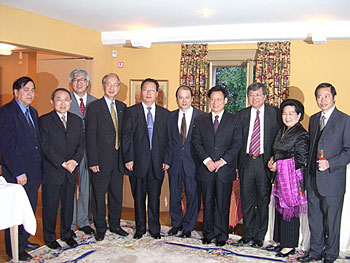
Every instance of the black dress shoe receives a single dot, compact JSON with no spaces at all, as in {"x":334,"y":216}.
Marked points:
{"x":257,"y":243}
{"x":206,"y":241}
{"x":283,"y":255}
{"x":174,"y":230}
{"x":31,"y":246}
{"x":156,"y":235}
{"x":119,"y":231}
{"x":186,"y":233}
{"x":138,"y":235}
{"x":273,"y":247}
{"x":70,"y":241}
{"x":87,"y":230}
{"x":306,"y":258}
{"x":53,"y":245}
{"x":244,"y":241}
{"x":220,"y":243}
{"x":328,"y":261}
{"x":73,"y":233}
{"x":100,"y":236}
{"x":24,"y":256}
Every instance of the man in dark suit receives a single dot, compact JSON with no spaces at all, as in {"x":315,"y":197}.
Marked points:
{"x":216,"y":139}
{"x":325,"y":183}
{"x":21,"y":152}
{"x":260,"y":125}
{"x":147,"y":155}
{"x":79,"y":80}
{"x":63,"y":147}
{"x":103,"y":133}
{"x":182,"y":170}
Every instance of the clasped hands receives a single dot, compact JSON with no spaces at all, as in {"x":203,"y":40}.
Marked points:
{"x":70,"y":165}
{"x":214,"y":166}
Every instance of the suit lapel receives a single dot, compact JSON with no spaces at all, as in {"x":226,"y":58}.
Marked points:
{"x":210,"y":123}
{"x":57,"y":121}
{"x":75,"y":106}
{"x":245,"y":124}
{"x":267,"y":124}
{"x":175,"y":119}
{"x":141,"y":113}
{"x":23,"y":119}
{"x":119,"y":115}
{"x":106,"y":113}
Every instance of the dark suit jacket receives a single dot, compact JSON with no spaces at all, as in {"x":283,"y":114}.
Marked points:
{"x":135,"y":142}
{"x":335,"y":140}
{"x":272,"y":123}
{"x":100,"y":135}
{"x":225,"y":144}
{"x":183,"y":155}
{"x":60,"y":145}
{"x":20,"y":151}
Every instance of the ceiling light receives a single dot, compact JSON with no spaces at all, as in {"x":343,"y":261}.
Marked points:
{"x":6,"y":49}
{"x":205,"y":12}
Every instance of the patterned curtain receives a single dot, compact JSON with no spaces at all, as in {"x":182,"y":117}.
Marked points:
{"x":194,"y":71}
{"x":273,"y":69}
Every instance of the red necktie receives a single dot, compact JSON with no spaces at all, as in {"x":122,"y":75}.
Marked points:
{"x":82,"y":106}
{"x":254,"y":147}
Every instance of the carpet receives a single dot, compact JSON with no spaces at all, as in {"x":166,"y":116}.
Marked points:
{"x":169,"y":249}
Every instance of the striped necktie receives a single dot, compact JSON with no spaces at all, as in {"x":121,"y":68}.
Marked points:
{"x":254,"y":147}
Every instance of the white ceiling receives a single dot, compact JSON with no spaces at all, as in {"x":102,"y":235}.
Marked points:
{"x":166,"y":21}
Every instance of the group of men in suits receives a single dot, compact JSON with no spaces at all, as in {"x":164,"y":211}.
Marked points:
{"x":201,"y":152}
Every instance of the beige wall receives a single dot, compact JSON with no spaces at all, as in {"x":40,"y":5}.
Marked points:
{"x":27,"y":29}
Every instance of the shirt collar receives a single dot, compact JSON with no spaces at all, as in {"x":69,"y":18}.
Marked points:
{"x":219,"y":114}
{"x":189,"y":111}
{"x":108,"y":101}
{"x":145,"y":106}
{"x":60,"y":115}
{"x":23,"y":109}
{"x":328,"y":113}
{"x":78,"y":97}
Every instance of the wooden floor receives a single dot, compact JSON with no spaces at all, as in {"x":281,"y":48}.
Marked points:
{"x":127,"y":214}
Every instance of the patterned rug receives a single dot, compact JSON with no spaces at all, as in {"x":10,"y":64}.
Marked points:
{"x":169,"y":249}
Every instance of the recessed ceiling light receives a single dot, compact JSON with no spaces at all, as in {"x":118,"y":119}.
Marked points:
{"x":205,"y":12}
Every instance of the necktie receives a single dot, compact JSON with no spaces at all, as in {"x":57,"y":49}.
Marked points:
{"x":216,"y":123}
{"x":150,"y":126}
{"x":183,"y":129}
{"x":28,"y":119}
{"x":82,"y":106}
{"x":64,"y":121}
{"x":254,"y":147}
{"x":322,"y":122}
{"x":115,"y":123}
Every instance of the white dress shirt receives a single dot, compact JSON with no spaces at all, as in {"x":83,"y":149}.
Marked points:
{"x":188,"y":117}
{"x":327,"y":115}
{"x":78,"y":98}
{"x":153,"y":110}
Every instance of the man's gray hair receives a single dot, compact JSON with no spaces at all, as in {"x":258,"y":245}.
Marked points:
{"x":78,"y":72}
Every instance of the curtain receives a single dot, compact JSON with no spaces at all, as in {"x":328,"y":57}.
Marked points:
{"x":273,"y":69}
{"x":194,"y":72}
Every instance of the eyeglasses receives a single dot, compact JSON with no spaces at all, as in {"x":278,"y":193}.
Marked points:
{"x":78,"y":80}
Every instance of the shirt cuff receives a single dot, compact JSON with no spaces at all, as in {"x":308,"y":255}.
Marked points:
{"x":206,"y":160}
{"x":223,"y":161}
